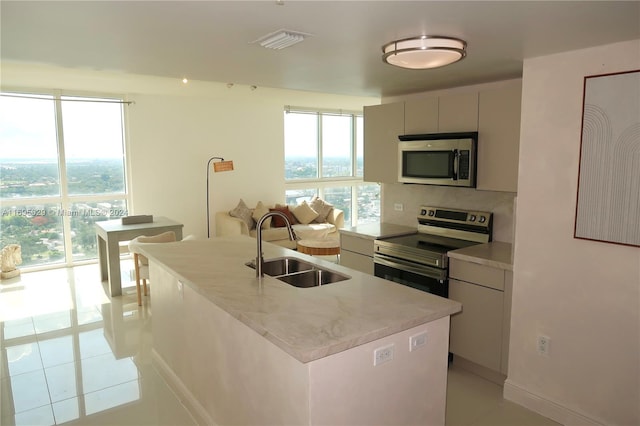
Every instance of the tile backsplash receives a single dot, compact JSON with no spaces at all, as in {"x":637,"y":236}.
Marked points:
{"x":501,"y":204}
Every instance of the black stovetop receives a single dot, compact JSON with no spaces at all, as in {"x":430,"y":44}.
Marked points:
{"x":431,"y":243}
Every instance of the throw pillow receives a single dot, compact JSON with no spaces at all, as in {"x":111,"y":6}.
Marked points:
{"x":322,"y":207}
{"x":279,"y":222}
{"x":304,"y":213}
{"x":243,"y":212}
{"x":260,"y":211}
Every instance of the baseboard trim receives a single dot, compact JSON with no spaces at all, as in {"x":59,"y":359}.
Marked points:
{"x":479,"y":370}
{"x":187,"y":399}
{"x":546,"y":407}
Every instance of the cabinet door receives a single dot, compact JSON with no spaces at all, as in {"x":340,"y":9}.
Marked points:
{"x":506,"y":320}
{"x":421,"y":116}
{"x":476,"y":332}
{"x":499,"y":138}
{"x":458,"y":113}
{"x":382,"y":126}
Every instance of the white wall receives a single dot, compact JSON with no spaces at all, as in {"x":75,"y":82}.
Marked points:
{"x":584,"y":295}
{"x":175,"y":128}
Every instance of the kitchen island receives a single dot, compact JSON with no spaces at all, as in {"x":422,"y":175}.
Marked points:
{"x":245,"y":350}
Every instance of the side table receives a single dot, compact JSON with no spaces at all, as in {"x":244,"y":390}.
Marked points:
{"x":109,"y":233}
{"x":326,"y":247}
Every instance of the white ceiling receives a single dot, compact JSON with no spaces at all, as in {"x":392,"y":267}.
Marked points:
{"x":211,"y":40}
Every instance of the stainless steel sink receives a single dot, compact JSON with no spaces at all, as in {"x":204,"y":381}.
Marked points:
{"x":313,"y":278}
{"x":283,"y":266}
{"x":298,"y":272}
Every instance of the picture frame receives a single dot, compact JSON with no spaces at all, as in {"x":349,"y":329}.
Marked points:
{"x":608,"y":195}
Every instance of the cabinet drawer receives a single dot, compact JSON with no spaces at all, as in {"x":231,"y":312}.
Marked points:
{"x":358,"y":245}
{"x":479,"y":274}
{"x":357,"y":261}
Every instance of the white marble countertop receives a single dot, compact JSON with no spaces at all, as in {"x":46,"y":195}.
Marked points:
{"x":307,"y":323}
{"x":378,"y":230}
{"x":496,"y":254}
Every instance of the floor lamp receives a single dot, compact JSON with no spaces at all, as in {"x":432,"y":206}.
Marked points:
{"x":218,"y":166}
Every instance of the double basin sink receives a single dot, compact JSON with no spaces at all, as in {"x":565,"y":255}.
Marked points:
{"x":298,"y":272}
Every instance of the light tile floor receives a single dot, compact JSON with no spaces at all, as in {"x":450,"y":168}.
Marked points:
{"x":71,"y":354}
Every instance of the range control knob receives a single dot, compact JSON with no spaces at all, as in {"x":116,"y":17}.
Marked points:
{"x":423,"y":212}
{"x":482,"y":219}
{"x":472,"y":218}
{"x":432,"y":213}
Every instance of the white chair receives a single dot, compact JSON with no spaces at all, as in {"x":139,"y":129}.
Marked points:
{"x":141,"y":263}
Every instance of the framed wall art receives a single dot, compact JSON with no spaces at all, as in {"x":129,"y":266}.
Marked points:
{"x":608,"y":199}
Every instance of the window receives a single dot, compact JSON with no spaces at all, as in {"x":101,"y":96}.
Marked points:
{"x":324,"y":155}
{"x":62,"y":168}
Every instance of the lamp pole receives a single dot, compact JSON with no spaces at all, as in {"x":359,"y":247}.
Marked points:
{"x":221,"y":166}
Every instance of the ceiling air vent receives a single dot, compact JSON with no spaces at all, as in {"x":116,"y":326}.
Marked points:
{"x":281,"y":39}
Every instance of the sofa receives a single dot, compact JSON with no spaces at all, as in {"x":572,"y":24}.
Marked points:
{"x":316,"y":219}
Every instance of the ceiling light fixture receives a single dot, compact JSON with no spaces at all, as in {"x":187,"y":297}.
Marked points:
{"x":281,"y":39}
{"x":424,"y":52}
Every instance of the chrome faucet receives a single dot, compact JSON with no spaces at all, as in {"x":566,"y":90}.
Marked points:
{"x":260,"y":257}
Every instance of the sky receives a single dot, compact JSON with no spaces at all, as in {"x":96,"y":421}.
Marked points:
{"x":28,"y":129}
{"x":301,"y":135}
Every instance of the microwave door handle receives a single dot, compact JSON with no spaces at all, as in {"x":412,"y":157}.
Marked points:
{"x":456,"y":164}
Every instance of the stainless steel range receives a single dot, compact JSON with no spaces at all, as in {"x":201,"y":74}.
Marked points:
{"x":420,"y":260}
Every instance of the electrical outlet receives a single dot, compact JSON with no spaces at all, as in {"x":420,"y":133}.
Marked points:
{"x":417,"y":341}
{"x":398,"y":207}
{"x":544,"y":345}
{"x":383,"y":354}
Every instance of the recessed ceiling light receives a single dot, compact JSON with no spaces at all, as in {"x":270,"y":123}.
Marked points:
{"x":185,"y":81}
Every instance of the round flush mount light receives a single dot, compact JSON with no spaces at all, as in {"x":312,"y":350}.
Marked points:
{"x":424,"y":52}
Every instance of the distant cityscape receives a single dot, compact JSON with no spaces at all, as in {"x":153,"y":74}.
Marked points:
{"x":306,"y":167}
{"x":368,"y":194}
{"x":38,"y":226}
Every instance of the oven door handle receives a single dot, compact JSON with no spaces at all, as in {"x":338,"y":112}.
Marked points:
{"x":404,"y":266}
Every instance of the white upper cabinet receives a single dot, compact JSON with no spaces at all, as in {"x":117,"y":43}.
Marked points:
{"x":499,"y":138}
{"x":458,"y":113}
{"x":494,"y":113}
{"x":421,"y":116}
{"x":382,"y":126}
{"x":444,"y":114}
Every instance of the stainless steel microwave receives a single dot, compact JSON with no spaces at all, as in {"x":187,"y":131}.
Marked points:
{"x":438,"y":159}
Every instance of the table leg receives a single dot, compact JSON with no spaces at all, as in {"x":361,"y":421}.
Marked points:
{"x":102,"y":258}
{"x":113,"y":258}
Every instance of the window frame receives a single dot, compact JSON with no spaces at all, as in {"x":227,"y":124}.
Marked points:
{"x":64,"y":199}
{"x":321,"y":183}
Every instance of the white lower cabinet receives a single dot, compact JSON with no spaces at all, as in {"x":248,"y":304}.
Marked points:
{"x":480,"y":333}
{"x":357,"y":253}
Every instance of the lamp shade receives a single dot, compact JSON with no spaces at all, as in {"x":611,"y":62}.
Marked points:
{"x":223,"y":166}
{"x":424,"y":52}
